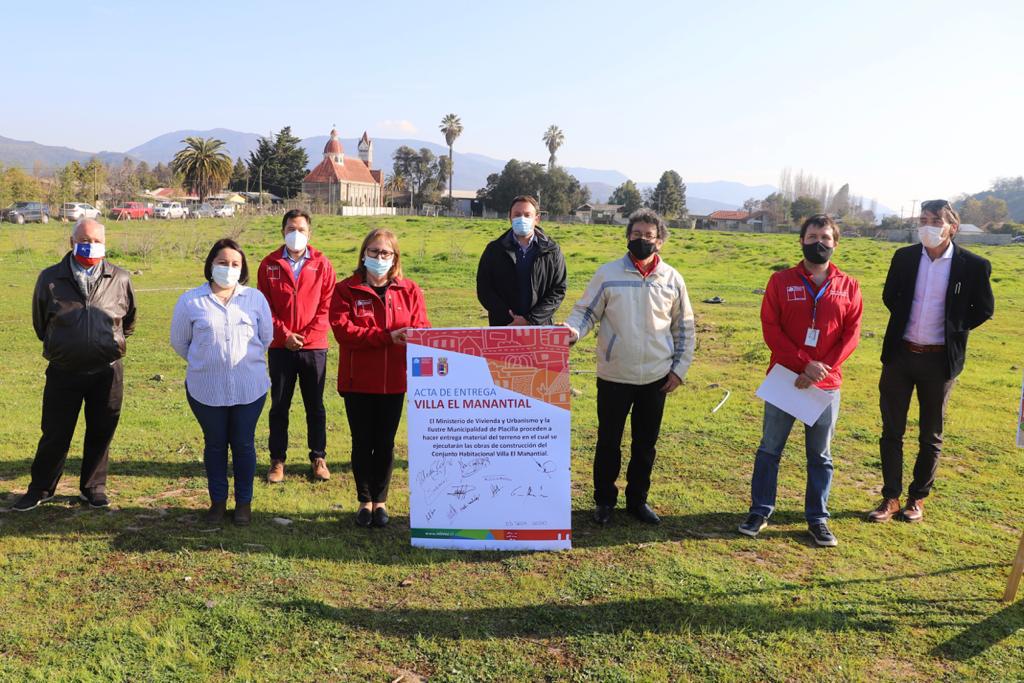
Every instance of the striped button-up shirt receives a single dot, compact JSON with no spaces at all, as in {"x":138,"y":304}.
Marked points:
{"x":296,"y":264}
{"x":927,"y":323}
{"x":225,"y":346}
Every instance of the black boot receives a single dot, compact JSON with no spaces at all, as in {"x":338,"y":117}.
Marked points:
{"x":215,"y":515}
{"x":243,"y":514}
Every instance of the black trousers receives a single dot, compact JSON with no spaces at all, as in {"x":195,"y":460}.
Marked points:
{"x":310,"y":369}
{"x":925,"y":372}
{"x":63,"y":396}
{"x":614,"y":402}
{"x":373,"y":420}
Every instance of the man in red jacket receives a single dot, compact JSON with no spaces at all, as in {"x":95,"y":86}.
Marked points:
{"x":298,"y":282}
{"x":810,"y":319}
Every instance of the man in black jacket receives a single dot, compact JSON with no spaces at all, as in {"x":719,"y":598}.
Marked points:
{"x":82,"y":310}
{"x":936,"y":294}
{"x":521,"y":276}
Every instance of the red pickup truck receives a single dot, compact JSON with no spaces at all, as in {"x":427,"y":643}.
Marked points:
{"x":132,"y":211}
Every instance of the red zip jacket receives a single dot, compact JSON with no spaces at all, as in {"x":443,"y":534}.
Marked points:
{"x":786,"y":315}
{"x":301,"y":306}
{"x":368,"y":361}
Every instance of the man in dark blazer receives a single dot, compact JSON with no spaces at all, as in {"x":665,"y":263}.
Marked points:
{"x":936,"y":293}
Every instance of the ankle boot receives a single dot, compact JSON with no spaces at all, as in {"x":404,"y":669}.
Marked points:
{"x":215,"y":515}
{"x":243,"y":514}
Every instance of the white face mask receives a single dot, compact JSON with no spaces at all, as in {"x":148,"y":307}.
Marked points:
{"x":378,"y":266}
{"x":296,"y":241}
{"x":226,"y":276}
{"x":930,"y":235}
{"x":522,"y":225}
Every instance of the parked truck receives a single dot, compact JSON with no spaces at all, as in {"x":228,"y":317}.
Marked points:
{"x":170,"y":210}
{"x":132,"y":211}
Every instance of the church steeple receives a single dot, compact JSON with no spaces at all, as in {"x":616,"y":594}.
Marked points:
{"x":366,"y":150}
{"x":333,"y":149}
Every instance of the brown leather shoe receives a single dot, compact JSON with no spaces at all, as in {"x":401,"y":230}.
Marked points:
{"x":276,"y":473}
{"x":215,"y":515}
{"x":885,"y":511}
{"x":243,"y":514}
{"x":320,"y":471}
{"x":914,"y":512}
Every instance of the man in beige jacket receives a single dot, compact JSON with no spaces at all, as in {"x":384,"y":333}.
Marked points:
{"x":645,"y":345}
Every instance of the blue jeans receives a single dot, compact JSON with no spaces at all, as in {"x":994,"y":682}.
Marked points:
{"x":818,"y":440}
{"x":224,"y":426}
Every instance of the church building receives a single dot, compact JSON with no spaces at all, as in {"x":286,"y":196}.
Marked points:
{"x":342,"y":180}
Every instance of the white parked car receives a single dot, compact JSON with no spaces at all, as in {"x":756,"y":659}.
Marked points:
{"x":170,"y":210}
{"x":207,"y":210}
{"x":76,"y":211}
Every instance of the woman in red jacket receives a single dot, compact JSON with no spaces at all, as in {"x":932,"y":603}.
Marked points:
{"x":371,"y":312}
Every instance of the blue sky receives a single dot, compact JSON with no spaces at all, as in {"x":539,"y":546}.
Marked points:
{"x":903,"y":100}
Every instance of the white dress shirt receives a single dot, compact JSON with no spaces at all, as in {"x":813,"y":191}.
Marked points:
{"x":225,"y":345}
{"x":927,"y":323}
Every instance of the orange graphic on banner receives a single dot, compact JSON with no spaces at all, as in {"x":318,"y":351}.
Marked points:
{"x":533,"y":361}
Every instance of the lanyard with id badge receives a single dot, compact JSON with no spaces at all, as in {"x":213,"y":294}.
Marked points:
{"x":812,"y":332}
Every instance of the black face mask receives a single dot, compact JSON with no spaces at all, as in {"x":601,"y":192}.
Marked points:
{"x":641,"y":248}
{"x":817,"y":252}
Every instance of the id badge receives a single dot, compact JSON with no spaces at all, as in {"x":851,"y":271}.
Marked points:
{"x":812,"y":337}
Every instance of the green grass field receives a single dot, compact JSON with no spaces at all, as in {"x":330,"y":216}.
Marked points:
{"x":146,"y":592}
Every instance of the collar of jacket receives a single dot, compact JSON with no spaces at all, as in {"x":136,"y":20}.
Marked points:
{"x":544,"y":243}
{"x":629,"y":267}
{"x":313,"y":254}
{"x":106,"y":269}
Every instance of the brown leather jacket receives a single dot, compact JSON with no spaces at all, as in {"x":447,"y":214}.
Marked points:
{"x":79,"y":334}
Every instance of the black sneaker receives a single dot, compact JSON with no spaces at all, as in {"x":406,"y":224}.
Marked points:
{"x":93,"y":499}
{"x":31,"y":500}
{"x":753,"y":525}
{"x":821,"y":535}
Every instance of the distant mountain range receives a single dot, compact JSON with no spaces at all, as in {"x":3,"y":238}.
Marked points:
{"x":471,"y":170}
{"x":26,"y":155}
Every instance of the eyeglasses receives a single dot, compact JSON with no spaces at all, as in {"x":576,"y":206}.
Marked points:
{"x":649,"y":236}
{"x":379,"y":253}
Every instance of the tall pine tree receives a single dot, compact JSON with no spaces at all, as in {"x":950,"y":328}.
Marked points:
{"x":278,"y":164}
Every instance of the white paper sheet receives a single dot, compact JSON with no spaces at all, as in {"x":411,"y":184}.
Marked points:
{"x":806,"y":405}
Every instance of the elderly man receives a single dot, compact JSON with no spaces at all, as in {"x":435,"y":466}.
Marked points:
{"x":645,"y":345}
{"x":936,"y":293}
{"x":82,"y":310}
{"x":521,"y":276}
{"x":298,"y":282}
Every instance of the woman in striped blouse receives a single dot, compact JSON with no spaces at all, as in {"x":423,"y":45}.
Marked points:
{"x":223,"y":328}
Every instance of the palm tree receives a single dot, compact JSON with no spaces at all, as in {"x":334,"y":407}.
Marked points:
{"x":553,"y":138}
{"x":451,"y":126}
{"x":203,"y":164}
{"x":394,"y":184}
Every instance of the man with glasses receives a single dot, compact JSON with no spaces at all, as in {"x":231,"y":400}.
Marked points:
{"x":298,"y":282}
{"x":645,"y":345}
{"x":936,"y":294}
{"x":521,"y":276}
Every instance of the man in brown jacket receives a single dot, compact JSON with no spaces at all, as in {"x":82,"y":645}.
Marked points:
{"x":82,"y":310}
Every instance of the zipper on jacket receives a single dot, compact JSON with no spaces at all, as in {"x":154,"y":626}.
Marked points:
{"x":387,"y":324}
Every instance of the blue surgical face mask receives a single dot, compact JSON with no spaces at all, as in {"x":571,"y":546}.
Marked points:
{"x":377,"y":266}
{"x":522,"y":225}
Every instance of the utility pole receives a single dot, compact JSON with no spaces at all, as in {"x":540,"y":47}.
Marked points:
{"x":913,"y":210}
{"x":261,"y":189}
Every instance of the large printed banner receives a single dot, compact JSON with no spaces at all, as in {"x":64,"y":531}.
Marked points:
{"x":488,"y":415}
